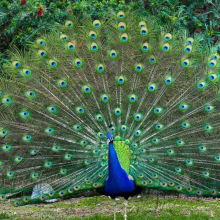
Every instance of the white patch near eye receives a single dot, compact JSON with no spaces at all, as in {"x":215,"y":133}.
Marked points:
{"x":108,"y":141}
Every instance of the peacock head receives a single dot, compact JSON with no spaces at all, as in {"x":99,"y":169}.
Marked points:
{"x":110,"y":138}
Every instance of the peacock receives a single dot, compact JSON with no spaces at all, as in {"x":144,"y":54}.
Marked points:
{"x":118,"y":104}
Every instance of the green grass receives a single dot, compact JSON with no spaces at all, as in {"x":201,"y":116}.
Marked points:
{"x":103,"y":208}
{"x":4,"y":216}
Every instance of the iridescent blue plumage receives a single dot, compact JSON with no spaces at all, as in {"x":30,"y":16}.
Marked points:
{"x":118,"y":183}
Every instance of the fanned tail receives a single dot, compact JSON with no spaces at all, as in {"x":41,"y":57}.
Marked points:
{"x":157,"y":87}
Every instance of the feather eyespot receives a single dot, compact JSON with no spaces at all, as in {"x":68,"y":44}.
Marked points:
{"x":96,"y":24}
{"x":69,"y":24}
{"x":121,"y":15}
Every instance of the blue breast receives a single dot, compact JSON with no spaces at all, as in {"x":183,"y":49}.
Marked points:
{"x":118,"y":182}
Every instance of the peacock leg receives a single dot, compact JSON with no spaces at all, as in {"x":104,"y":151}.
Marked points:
{"x":114,"y":203}
{"x":125,"y":208}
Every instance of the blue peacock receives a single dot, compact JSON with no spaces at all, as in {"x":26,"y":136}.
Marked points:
{"x":117,"y":104}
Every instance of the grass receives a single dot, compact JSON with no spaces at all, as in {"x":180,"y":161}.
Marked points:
{"x":103,"y":208}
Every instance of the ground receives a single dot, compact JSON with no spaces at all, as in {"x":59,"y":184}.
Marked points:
{"x":101,"y":207}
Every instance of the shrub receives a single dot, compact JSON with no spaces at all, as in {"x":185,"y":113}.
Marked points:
{"x":22,"y":20}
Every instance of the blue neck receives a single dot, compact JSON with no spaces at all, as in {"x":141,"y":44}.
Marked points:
{"x":118,"y":182}
{"x":114,"y":167}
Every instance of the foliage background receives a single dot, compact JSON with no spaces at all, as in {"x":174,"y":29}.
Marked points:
{"x":23,"y":20}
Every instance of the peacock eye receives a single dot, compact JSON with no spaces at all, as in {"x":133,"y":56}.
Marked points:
{"x":83,"y":142}
{"x":40,"y":42}
{"x":201,"y":85}
{"x":144,"y":31}
{"x":123,"y":128}
{"x":100,"y":68}
{"x":215,"y":57}
{"x":100,"y":135}
{"x":49,"y":130}
{"x":27,"y":138}
{"x":26,"y":72}
{"x":212,"y":63}
{"x":213,"y":77}
{"x":62,"y":83}
{"x":132,"y":98}
{"x":142,"y":24}
{"x":122,"y":26}
{"x":158,"y":110}
{"x":7,"y":100}
{"x":185,"y":124}
{"x":155,"y":140}
{"x":42,"y":53}
{"x":151,"y":159}
{"x":18,"y":159}
{"x":137,"y":133}
{"x":52,"y":109}
{"x":117,"y":111}
{"x":152,"y":60}
{"x":159,"y":126}
{"x":87,"y":162}
{"x":180,"y":142}
{"x":168,"y":80}
{"x":16,"y":64}
{"x":168,"y":37}
{"x":113,"y":54}
{"x":56,"y":148}
{"x":71,"y":46}
{"x":188,"y":49}
{"x":145,"y":47}
{"x":183,"y":106}
{"x":86,"y":89}
{"x":52,"y":63}
{"x":121,"y":15}
{"x":185,"y":63}
{"x":6,"y":148}
{"x":3,"y":133}
{"x":124,"y":38}
{"x":138,"y":67}
{"x":138,"y":117}
{"x":209,"y":108}
{"x":189,"y":41}
{"x":24,"y":114}
{"x":152,"y":87}
{"x":77,"y":62}
{"x":189,"y":162}
{"x":170,"y":152}
{"x":104,"y":98}
{"x":92,"y":34}
{"x":63,"y":37}
{"x":166,"y":47}
{"x":93,"y":47}
{"x":155,"y":175}
{"x":69,"y":24}
{"x":208,"y":127}
{"x":99,"y":117}
{"x":120,"y":80}
{"x":96,"y":24}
